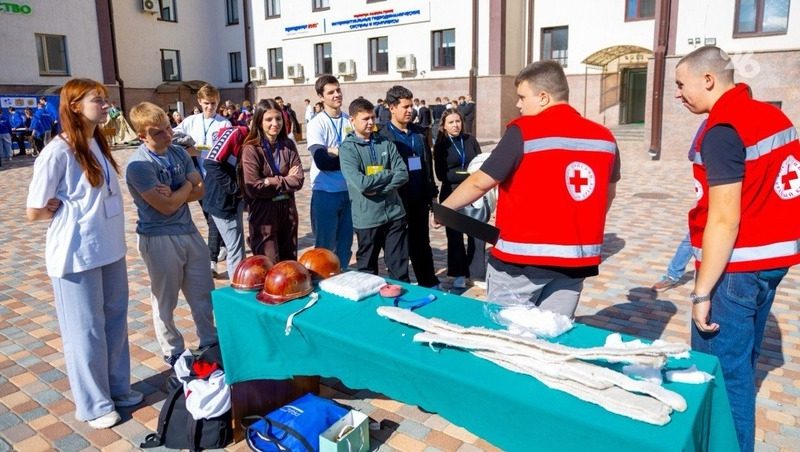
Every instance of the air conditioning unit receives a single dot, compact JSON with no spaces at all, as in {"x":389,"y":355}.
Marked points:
{"x":294,"y":71}
{"x":258,"y":74}
{"x":150,"y":6}
{"x":405,"y":63}
{"x":346,"y":67}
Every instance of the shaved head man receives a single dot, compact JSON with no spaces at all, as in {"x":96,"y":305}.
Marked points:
{"x":747,"y":179}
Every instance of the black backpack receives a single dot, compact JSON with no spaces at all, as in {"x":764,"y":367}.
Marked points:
{"x":177,"y":429}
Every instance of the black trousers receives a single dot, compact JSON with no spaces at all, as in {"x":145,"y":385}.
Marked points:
{"x":469,"y":262}
{"x":392,"y":238}
{"x":419,"y":243}
{"x":21,"y":140}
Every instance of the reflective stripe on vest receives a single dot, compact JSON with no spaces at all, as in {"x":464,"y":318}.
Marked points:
{"x":571,"y":144}
{"x":549,"y":250}
{"x":755,"y":253}
{"x":764,"y":146}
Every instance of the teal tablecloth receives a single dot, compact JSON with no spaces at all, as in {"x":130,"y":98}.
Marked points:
{"x":349,"y":341}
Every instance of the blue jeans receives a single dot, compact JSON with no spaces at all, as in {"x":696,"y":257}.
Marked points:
{"x":677,"y":266}
{"x":332,"y":224}
{"x":740,"y":304}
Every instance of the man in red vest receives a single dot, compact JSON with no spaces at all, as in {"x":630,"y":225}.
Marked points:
{"x":744,"y":228}
{"x":557,"y":174}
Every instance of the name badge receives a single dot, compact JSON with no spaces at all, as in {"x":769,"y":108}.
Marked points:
{"x":374,"y":169}
{"x":113,"y":206}
{"x":414,"y":164}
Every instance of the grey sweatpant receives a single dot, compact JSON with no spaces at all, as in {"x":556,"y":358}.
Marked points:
{"x":548,"y":292}
{"x":179,"y":263}
{"x":92,"y":309}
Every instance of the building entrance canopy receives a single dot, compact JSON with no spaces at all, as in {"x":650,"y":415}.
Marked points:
{"x":177,"y":87}
{"x":602,"y":57}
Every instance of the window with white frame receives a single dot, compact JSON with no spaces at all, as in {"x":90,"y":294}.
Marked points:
{"x":275,"y":57}
{"x":272,"y":8}
{"x":235,"y":62}
{"x":761,"y":17}
{"x":555,"y":44}
{"x":379,"y":55}
{"x":170,"y":65}
{"x":323,"y":63}
{"x":232,"y":12}
{"x":52,"y":53}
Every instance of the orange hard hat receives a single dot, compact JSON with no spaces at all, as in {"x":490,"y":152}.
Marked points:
{"x":285,"y":281}
{"x":250,"y":273}
{"x":321,"y":262}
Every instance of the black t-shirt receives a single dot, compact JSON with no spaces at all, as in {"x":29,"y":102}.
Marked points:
{"x":723,"y":155}
{"x":503,"y":161}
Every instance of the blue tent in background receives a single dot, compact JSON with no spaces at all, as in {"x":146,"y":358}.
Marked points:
{"x":22,"y":101}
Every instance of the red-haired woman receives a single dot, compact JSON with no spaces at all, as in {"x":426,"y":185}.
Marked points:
{"x":272,"y":173}
{"x":75,"y":186}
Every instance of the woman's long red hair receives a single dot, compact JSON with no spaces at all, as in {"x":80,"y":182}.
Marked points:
{"x":72,"y":125}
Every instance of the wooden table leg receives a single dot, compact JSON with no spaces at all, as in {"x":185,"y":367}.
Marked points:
{"x":259,"y":397}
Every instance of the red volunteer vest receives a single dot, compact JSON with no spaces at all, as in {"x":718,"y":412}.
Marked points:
{"x":769,"y":233}
{"x":551,"y":211}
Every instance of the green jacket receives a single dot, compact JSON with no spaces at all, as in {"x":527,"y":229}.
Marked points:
{"x":374,"y":199}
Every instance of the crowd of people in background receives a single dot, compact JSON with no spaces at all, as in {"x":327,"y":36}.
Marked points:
{"x":374,"y":171}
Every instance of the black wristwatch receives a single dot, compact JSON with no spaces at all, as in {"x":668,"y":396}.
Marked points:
{"x":699,"y":298}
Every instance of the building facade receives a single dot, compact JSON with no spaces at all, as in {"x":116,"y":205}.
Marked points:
{"x":619,"y":55}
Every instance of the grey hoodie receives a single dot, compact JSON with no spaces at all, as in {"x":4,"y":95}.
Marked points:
{"x":374,"y":199}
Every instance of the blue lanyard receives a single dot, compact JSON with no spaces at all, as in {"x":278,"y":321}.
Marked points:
{"x":206,"y":129}
{"x":404,"y":137}
{"x":107,"y":176}
{"x":462,"y":151}
{"x":169,"y":166}
{"x":372,"y":152}
{"x":273,"y":157}
{"x":413,"y":305}
{"x":336,"y":129}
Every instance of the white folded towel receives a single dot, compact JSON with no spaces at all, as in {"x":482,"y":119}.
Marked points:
{"x":353,"y":285}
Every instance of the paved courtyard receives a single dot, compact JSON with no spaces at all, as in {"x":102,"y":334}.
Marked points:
{"x":646,"y":222}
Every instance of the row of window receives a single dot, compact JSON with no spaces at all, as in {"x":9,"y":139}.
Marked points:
{"x":763,"y":17}
{"x":443,"y":55}
{"x":752,"y":16}
{"x":272,"y":8}
{"x":760,"y":17}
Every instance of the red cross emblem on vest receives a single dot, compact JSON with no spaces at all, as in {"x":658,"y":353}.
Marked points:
{"x":580,"y":180}
{"x":787,"y":182}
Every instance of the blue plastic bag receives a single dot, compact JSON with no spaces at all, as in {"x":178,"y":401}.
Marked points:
{"x":294,"y":427}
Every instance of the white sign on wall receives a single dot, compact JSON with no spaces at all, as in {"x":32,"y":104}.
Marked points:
{"x":412,"y":12}
{"x":18,"y":102}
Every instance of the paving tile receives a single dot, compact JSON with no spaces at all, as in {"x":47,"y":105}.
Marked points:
{"x":34,"y":444}
{"x":71,"y":442}
{"x":56,"y":431}
{"x":18,"y":433}
{"x":442,"y":441}
{"x":641,"y":236}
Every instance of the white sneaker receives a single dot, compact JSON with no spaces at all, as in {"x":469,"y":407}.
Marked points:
{"x":480,"y":284}
{"x":132,"y":398}
{"x":107,"y":420}
{"x":214,"y":269}
{"x":460,"y":282}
